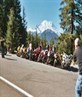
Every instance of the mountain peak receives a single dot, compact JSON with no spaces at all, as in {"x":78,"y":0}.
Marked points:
{"x":49,"y":34}
{"x":44,"y":25}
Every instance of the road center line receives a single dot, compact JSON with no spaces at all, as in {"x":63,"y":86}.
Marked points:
{"x":15,"y":87}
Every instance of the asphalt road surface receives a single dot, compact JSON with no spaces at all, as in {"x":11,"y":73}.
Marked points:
{"x":8,"y":91}
{"x":37,"y":79}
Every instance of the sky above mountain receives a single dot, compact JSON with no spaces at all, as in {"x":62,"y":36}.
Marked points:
{"x":39,"y":11}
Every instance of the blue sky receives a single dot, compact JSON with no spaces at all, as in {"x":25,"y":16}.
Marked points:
{"x":39,"y":10}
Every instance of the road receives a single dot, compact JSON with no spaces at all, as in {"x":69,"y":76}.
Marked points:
{"x":38,"y":79}
{"x":8,"y":91}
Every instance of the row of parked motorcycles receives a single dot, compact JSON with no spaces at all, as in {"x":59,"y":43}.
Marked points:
{"x":61,"y":60}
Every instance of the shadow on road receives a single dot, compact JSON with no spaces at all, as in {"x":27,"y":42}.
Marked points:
{"x":11,"y":59}
{"x":73,"y":69}
{"x":8,"y":55}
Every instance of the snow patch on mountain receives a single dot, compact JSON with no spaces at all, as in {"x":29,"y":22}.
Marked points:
{"x":44,"y":25}
{"x":31,"y":30}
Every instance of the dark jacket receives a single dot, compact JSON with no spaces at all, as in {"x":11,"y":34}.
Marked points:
{"x":77,"y":56}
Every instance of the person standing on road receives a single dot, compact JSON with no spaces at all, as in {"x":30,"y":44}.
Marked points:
{"x":77,"y":56}
{"x":2,"y":49}
{"x":30,"y":51}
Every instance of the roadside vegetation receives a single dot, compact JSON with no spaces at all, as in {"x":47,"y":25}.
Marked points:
{"x":13,"y":26}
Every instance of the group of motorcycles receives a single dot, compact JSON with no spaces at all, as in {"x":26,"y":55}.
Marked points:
{"x":46,"y":56}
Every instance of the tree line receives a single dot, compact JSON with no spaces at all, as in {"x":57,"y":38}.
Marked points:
{"x":71,"y":23}
{"x":13,"y":26}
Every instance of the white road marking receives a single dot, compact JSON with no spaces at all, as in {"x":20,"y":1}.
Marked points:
{"x":15,"y":87}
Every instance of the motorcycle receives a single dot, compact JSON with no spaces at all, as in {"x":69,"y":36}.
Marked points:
{"x":36,"y":53}
{"x":50,"y":59}
{"x":66,"y":61}
{"x":57,"y":60}
{"x":43,"y":56}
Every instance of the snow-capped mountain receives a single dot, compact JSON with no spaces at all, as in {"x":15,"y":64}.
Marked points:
{"x":46,"y":28}
{"x":49,"y":34}
{"x":44,"y":25}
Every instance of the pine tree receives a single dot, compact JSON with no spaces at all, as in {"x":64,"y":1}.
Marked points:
{"x":79,"y":17}
{"x":12,"y":37}
{"x":22,"y":29}
{"x":36,"y":40}
{"x":71,"y":13}
{"x":64,"y":43}
{"x":7,"y":5}
{"x":79,"y":12}
{"x":51,"y":41}
{"x":29,"y":38}
{"x":1,"y":18}
{"x":67,"y":15}
{"x":10,"y":30}
{"x":19,"y":22}
{"x":44,"y":41}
